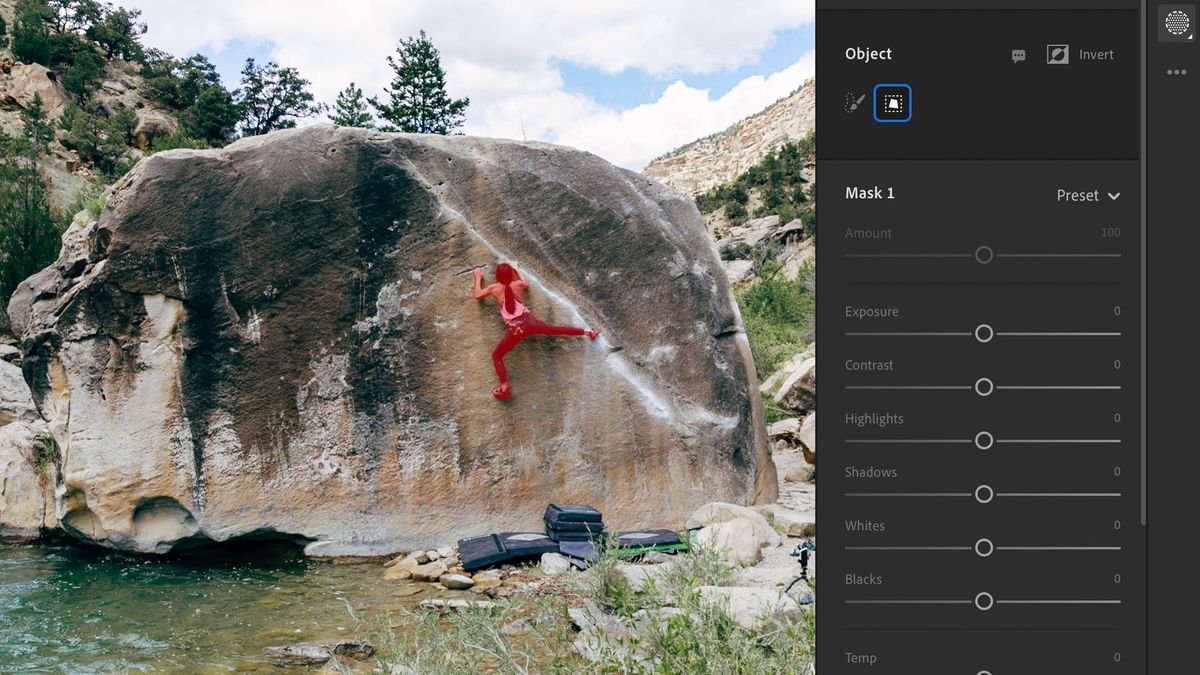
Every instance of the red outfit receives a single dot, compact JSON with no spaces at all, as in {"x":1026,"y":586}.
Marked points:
{"x":521,"y":327}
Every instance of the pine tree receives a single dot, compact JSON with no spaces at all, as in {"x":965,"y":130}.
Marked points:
{"x":417,"y":100}
{"x":29,"y":231}
{"x":272,"y":98}
{"x":350,"y":109}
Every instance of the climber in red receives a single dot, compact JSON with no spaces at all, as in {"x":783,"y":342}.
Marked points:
{"x":509,"y":292}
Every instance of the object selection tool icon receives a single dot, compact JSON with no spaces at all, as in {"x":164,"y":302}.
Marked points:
{"x":893,"y":103}
{"x":1058,"y":55}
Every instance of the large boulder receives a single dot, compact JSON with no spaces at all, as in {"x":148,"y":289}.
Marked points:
{"x":26,"y":80}
{"x":278,"y":339}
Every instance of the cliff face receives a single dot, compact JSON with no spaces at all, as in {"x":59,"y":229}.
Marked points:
{"x":716,"y":159}
{"x":279,"y":339}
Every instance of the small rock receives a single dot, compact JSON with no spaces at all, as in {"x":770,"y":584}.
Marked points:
{"x":448,"y":552}
{"x":519,"y":626}
{"x":792,"y":523}
{"x":657,"y":558}
{"x":750,"y":607}
{"x":359,"y":651}
{"x":783,"y":428}
{"x":554,"y":564}
{"x":734,"y":541}
{"x":638,"y":576}
{"x":456,"y":582}
{"x":397,"y":573}
{"x":487,"y":579}
{"x":455,"y":603}
{"x":421,"y":557}
{"x":431,"y":571}
{"x":798,"y":391}
{"x":433,"y":555}
{"x":720,"y":512}
{"x":293,"y":656}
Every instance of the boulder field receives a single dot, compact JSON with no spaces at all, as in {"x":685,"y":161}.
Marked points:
{"x":278,"y":339}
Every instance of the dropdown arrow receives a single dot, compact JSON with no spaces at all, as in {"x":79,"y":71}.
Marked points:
{"x":1113,"y":195}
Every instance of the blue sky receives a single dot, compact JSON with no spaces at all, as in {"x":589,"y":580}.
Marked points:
{"x":625,"y":79}
{"x":633,"y":86}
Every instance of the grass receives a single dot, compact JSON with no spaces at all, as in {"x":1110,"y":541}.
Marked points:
{"x":778,"y":314}
{"x":44,"y":459}
{"x":697,"y":637}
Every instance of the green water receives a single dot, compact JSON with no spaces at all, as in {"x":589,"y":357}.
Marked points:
{"x":70,"y":609}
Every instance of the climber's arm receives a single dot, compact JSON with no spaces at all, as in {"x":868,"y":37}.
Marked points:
{"x":480,"y":291}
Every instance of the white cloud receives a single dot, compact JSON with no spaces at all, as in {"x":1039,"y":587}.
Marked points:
{"x":501,"y":54}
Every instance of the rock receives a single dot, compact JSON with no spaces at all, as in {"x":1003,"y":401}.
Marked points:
{"x":733,"y":540}
{"x":795,"y":256}
{"x":807,"y":436}
{"x":770,"y":385}
{"x":783,"y":428}
{"x":9,"y":352}
{"x":296,"y":656}
{"x":793,"y":468}
{"x":430,"y":571}
{"x":286,"y":324}
{"x":409,"y":560}
{"x":750,"y":233}
{"x":433,"y":555}
{"x":27,"y":462}
{"x":639,"y":576}
{"x":29,"y":79}
{"x":456,"y":582}
{"x":600,"y":634}
{"x":798,"y":390}
{"x":554,"y":564}
{"x":456,"y":603}
{"x":518,"y":626}
{"x":738,"y":271}
{"x":657,"y":558}
{"x":359,"y":651}
{"x":720,"y":512}
{"x":792,"y":523}
{"x":448,"y":552}
{"x":398,"y":572}
{"x":751,"y":607}
{"x":486,"y":580}
{"x":153,"y":122}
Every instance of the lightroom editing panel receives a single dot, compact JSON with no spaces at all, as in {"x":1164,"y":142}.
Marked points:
{"x":511,"y":310}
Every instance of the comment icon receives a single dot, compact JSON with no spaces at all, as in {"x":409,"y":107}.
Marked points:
{"x":1018,"y":55}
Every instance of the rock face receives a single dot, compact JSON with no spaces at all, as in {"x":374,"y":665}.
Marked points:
{"x":26,"y":467}
{"x":26,"y":80}
{"x":716,"y":159}
{"x":278,"y":339}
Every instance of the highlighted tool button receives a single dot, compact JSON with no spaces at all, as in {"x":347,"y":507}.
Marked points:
{"x":893,"y":103}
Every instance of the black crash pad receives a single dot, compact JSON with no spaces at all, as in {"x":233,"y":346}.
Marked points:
{"x":507,"y":547}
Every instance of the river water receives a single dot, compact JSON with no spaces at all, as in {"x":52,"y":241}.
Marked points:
{"x":72,"y":609}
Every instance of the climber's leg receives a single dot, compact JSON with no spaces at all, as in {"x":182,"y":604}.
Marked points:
{"x":535,"y":326}
{"x":506,"y":345}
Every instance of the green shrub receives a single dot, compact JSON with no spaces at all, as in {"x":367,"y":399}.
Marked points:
{"x":735,"y":213}
{"x":738,"y":251}
{"x":778,"y":314}
{"x":179,"y":139}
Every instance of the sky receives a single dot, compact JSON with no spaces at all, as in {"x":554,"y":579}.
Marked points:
{"x":626,"y":80}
